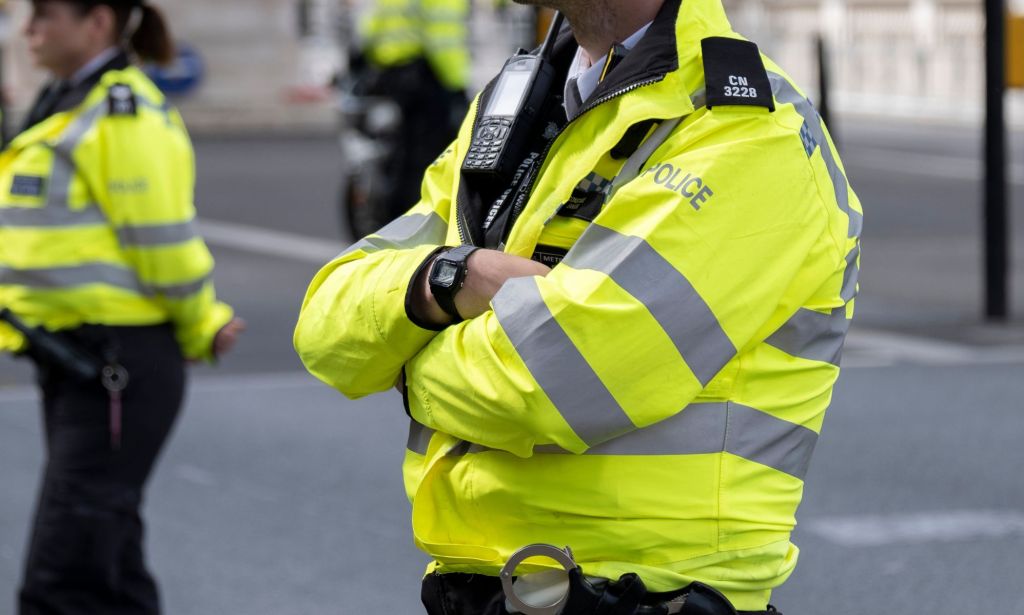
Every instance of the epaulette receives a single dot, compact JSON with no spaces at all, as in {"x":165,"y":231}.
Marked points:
{"x":735,"y":74}
{"x":121,"y":100}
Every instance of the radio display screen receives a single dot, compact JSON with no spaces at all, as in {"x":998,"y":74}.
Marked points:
{"x":509,"y":93}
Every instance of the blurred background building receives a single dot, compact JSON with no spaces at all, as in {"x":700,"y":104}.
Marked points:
{"x":266,"y":61}
{"x":921,"y":59}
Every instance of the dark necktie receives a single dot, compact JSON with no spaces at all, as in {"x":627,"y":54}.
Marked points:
{"x":573,"y":98}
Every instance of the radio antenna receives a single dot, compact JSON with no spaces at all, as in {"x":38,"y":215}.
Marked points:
{"x":549,"y":42}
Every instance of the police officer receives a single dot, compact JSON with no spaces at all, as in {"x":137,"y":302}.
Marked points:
{"x":627,"y":344}
{"x":418,"y":50}
{"x":98,"y":251}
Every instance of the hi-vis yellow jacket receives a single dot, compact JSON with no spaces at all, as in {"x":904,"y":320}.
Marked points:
{"x":97,"y":220}
{"x":396,"y":32}
{"x":654,"y":401}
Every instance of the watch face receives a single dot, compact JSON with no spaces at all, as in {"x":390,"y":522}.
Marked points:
{"x":445,"y":274}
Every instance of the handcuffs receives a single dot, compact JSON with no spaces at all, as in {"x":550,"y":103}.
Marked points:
{"x":562,"y":556}
{"x":568,"y":562}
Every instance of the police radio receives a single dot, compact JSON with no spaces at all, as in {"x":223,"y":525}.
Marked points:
{"x":503,"y":132}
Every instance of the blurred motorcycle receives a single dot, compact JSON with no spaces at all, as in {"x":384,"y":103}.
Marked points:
{"x":369,"y":129}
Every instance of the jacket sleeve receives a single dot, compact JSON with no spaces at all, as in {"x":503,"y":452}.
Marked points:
{"x":659,"y":294}
{"x":354,"y":332}
{"x":141,"y":171}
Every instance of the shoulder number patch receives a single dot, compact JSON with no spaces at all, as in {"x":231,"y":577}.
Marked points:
{"x":121,"y":100}
{"x":735,"y":74}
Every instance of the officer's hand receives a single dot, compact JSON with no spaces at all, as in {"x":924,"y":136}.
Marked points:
{"x":227,"y":337}
{"x":488,"y":272}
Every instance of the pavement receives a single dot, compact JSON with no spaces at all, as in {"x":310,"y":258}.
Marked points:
{"x":279,"y":496}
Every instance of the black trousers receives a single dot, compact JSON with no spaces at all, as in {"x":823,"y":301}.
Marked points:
{"x":85,"y":555}
{"x":476,"y":594}
{"x":431,"y":115}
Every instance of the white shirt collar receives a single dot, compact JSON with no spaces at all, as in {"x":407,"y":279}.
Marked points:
{"x":587,"y":74}
{"x":93,"y":65}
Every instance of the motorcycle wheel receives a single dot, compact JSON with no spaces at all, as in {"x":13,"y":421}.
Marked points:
{"x":360,"y":212}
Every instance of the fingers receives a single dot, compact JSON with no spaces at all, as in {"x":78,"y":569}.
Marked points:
{"x":227,"y":337}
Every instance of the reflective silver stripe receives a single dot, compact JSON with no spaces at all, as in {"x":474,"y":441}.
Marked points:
{"x":699,"y":98}
{"x":409,"y":231}
{"x":52,"y":278}
{"x":557,"y":365}
{"x":156,"y":234}
{"x":59,"y":183}
{"x":444,"y":14}
{"x":708,"y":428}
{"x":461,"y":448}
{"x":631,"y":168}
{"x":50,"y":217}
{"x":635,"y":266}
{"x":63,"y":171}
{"x":697,"y":430}
{"x":786,"y":93}
{"x":812,"y":335}
{"x":817,"y":336}
{"x":148,"y":104}
{"x":71,"y":137}
{"x":178,"y":291}
{"x":850,"y":275}
{"x":419,"y":437}
{"x":762,"y":438}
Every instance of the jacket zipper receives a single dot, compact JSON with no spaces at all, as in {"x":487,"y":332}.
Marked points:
{"x":465,"y":237}
{"x":460,"y":206}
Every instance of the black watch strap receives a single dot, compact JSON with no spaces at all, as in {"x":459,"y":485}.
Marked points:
{"x":445,"y":297}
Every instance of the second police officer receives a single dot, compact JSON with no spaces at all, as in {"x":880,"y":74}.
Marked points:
{"x":418,"y":54}
{"x":99,"y":258}
{"x":624,"y":338}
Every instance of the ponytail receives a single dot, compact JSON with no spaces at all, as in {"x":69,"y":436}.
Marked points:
{"x":151,"y":40}
{"x":141,"y":28}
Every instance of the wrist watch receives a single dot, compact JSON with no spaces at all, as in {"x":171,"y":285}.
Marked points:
{"x":447,"y":275}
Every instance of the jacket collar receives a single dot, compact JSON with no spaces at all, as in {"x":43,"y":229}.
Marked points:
{"x":672,"y":41}
{"x":85,"y":84}
{"x":76,"y":94}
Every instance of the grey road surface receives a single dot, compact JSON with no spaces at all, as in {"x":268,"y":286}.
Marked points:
{"x":279,"y":496}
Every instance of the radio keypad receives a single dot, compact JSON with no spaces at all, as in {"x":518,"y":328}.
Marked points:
{"x":487,"y":144}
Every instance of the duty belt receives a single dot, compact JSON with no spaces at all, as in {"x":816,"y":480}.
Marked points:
{"x":585,"y":595}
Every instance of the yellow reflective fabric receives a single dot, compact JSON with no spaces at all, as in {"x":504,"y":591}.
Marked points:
{"x":97,"y":222}
{"x":654,"y":401}
{"x":396,"y":32}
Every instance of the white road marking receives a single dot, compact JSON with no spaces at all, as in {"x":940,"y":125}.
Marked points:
{"x":917,"y":528}
{"x":928,"y":165}
{"x":271,"y":243}
{"x":195,"y":475}
{"x":867,"y":348}
{"x":254,"y":382}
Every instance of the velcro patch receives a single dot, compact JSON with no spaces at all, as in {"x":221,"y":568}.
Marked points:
{"x":735,"y":74}
{"x":27,"y":185}
{"x":121,"y":100}
{"x":586,"y":199}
